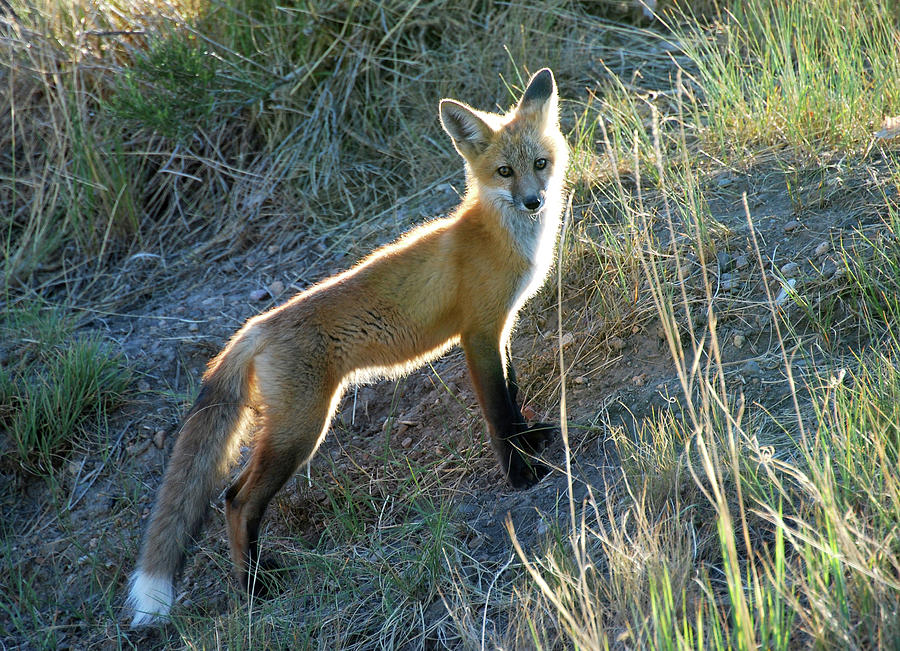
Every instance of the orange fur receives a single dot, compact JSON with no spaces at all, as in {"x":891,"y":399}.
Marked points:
{"x":458,"y":280}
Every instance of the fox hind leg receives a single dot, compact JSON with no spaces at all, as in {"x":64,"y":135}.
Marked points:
{"x":289,"y":437}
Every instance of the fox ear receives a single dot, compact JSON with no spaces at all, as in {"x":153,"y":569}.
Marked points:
{"x":540,"y":95}
{"x":469,"y":132}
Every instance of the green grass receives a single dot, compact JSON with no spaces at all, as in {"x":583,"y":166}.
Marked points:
{"x":810,"y":76}
{"x":52,"y":384}
{"x":732,"y":519}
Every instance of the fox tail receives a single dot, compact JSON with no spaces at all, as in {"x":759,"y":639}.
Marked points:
{"x":206,"y":448}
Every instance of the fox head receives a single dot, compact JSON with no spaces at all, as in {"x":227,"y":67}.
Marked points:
{"x":513,"y":161}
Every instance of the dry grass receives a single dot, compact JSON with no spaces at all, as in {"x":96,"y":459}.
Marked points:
{"x":736,"y":506}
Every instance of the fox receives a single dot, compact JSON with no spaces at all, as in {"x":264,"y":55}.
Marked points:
{"x":457,"y":280}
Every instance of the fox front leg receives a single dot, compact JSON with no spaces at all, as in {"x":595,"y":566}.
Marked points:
{"x":513,"y":441}
{"x":533,"y":439}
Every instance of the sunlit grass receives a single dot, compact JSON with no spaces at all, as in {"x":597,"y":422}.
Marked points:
{"x":220,"y":128}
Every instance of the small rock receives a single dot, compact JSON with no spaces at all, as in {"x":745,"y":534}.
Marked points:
{"x":639,"y":380}
{"x":823,"y":248}
{"x":739,"y":340}
{"x":143,"y":386}
{"x":751,"y":368}
{"x":259,"y":295}
{"x":741,"y":262}
{"x":616,"y":344}
{"x":786,"y":290}
{"x":137,"y":449}
{"x":159,"y":439}
{"x":529,"y":412}
{"x":272,"y":249}
{"x":405,"y":443}
{"x":276,"y":287}
{"x":580,"y":380}
{"x":791,"y":226}
{"x":193,"y":327}
{"x":790,"y":269}
{"x":725,"y":261}
{"x":567,"y":339}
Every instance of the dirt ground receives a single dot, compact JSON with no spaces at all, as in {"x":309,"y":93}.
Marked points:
{"x":618,"y":375}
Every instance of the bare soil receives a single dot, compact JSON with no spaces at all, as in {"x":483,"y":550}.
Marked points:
{"x":78,"y":540}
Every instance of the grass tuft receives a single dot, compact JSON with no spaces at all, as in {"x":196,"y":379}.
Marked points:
{"x":51,"y":385}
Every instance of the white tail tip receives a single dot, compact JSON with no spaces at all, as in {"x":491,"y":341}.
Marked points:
{"x":150,"y":599}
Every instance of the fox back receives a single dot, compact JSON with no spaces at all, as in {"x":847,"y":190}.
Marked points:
{"x":457,"y":280}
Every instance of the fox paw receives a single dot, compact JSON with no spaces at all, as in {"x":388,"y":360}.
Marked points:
{"x":534,"y":439}
{"x":263,"y":580}
{"x":524,"y":472}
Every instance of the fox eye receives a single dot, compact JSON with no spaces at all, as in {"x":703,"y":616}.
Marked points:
{"x":505,"y":171}
{"x":540,"y":163}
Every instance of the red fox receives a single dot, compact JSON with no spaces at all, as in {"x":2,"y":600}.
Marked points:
{"x":457,"y":280}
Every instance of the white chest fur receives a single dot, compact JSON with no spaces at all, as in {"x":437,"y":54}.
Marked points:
{"x":535,"y":238}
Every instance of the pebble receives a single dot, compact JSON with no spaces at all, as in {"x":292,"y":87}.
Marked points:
{"x":143,"y":386}
{"x":639,"y":380}
{"x":193,"y":327}
{"x":790,"y":269}
{"x":785,"y":291}
{"x":276,"y":287}
{"x":137,"y":449}
{"x":567,"y":339}
{"x":823,"y":248}
{"x":405,"y":443}
{"x":259,"y":295}
{"x":741,"y":262}
{"x":159,"y":439}
{"x":792,"y":226}
{"x":529,"y":412}
{"x":272,"y":249}
{"x":751,"y":368}
{"x":725,"y":261}
{"x":739,"y":341}
{"x":616,"y":344}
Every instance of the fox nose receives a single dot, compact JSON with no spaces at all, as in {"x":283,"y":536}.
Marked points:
{"x":533,"y":202}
